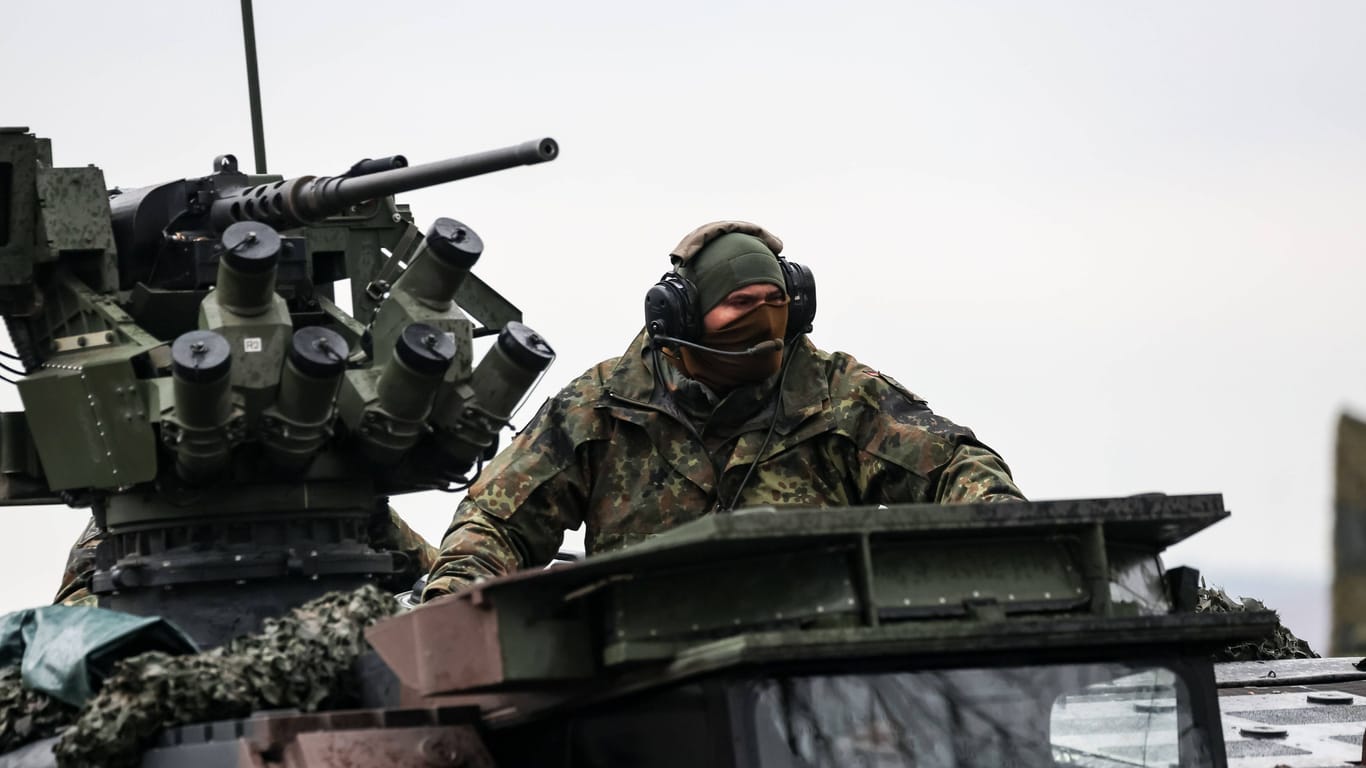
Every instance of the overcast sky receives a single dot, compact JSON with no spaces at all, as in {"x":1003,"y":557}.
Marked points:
{"x":1123,"y":242}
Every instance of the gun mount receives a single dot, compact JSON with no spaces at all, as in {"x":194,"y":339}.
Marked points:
{"x":187,"y":374}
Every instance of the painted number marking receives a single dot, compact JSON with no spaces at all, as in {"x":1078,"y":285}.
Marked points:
{"x":251,"y":344}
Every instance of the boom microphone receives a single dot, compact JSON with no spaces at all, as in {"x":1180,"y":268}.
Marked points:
{"x":762,"y":348}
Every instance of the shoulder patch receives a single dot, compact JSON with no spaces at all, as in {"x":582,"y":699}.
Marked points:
{"x":896,"y":385}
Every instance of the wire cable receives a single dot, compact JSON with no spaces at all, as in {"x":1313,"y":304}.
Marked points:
{"x":772,"y":425}
{"x":14,"y":371}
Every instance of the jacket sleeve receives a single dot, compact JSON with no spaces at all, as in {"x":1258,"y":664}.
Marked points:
{"x":516,"y":514}
{"x":975,"y":473}
{"x":910,"y":454}
{"x":80,"y":564}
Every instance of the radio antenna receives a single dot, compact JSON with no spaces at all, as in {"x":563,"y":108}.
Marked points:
{"x":258,"y":138}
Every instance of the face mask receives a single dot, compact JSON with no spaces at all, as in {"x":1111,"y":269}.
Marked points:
{"x":726,"y":372}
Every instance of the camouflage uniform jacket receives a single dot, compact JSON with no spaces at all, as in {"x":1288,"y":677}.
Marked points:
{"x":609,"y":453}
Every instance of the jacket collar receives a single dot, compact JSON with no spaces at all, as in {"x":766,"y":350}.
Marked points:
{"x":806,"y":387}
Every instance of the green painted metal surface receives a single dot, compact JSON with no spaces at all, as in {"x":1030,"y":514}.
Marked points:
{"x":766,"y":585}
{"x":106,"y":438}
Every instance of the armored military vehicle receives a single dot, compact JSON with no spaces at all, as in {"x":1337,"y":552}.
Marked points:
{"x":188,"y":376}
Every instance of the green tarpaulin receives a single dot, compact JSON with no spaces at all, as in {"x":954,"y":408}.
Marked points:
{"x":66,"y":652}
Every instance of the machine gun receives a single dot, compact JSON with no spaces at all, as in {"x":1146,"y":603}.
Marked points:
{"x":186,"y":373}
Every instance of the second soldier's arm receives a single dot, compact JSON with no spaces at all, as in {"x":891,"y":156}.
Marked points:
{"x":80,"y":564}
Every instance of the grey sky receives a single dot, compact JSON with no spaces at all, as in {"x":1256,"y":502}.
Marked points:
{"x":1122,"y":241}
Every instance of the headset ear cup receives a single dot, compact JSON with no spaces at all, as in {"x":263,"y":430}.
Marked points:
{"x":671,"y":309}
{"x":801,"y":292}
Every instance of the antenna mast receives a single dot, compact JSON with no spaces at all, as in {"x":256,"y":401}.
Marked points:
{"x":258,"y":138}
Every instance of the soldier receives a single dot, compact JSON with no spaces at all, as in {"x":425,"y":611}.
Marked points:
{"x":720,"y":402}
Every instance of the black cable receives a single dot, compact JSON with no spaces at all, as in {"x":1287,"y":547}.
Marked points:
{"x":655,"y":373}
{"x":14,"y":371}
{"x":772,"y":425}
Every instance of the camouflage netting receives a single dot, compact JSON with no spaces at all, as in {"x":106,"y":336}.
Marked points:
{"x":301,"y":660}
{"x":1281,"y":644}
{"x":27,"y":715}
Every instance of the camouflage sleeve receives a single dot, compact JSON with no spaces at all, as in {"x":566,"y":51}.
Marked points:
{"x":479,"y":545}
{"x":975,"y":473}
{"x":515,"y":516}
{"x":80,"y":564}
{"x":911,"y":454}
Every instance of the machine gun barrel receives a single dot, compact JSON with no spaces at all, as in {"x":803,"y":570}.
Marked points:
{"x":306,"y":199}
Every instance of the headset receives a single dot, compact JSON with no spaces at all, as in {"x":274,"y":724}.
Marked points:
{"x":672,"y":317}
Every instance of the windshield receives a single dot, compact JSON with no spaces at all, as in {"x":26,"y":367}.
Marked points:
{"x":1057,"y":715}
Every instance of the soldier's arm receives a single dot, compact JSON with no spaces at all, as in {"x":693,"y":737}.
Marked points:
{"x":911,"y":454}
{"x":975,"y":473}
{"x":481,"y":544}
{"x":80,"y":564}
{"x":515,"y":516}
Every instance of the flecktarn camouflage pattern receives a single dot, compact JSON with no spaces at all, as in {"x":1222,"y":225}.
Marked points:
{"x":609,"y":452}
{"x":301,"y":661}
